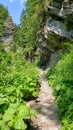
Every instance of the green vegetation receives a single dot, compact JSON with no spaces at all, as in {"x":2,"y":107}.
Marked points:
{"x":31,"y":21}
{"x":61,"y":79}
{"x":19,"y":78}
{"x":3,"y":16}
{"x":19,"y":82}
{"x":69,"y":22}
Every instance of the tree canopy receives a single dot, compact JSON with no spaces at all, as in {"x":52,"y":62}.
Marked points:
{"x":3,"y":15}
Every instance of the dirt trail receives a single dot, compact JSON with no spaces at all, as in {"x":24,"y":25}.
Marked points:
{"x":46,"y":110}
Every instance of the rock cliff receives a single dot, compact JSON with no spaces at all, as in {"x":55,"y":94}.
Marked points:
{"x":57,"y":29}
{"x":8,"y":32}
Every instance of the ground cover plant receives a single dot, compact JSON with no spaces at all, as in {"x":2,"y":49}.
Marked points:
{"x":19,"y":82}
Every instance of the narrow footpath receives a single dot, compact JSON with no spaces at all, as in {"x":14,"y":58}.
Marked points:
{"x":45,"y":107}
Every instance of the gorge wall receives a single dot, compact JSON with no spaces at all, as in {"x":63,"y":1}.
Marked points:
{"x":57,"y":29}
{"x":8,"y":33}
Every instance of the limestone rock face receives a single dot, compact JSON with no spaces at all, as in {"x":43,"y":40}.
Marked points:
{"x":56,"y":30}
{"x":8,"y":32}
{"x":61,"y":7}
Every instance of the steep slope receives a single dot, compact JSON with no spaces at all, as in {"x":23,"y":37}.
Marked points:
{"x":3,"y":16}
{"x":8,"y":32}
{"x":6,"y":27}
{"x":56,"y":31}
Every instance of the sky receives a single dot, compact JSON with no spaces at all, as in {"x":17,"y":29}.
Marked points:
{"x":15,"y":8}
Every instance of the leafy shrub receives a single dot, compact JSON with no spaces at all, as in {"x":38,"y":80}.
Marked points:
{"x":19,"y":81}
{"x":15,"y":116}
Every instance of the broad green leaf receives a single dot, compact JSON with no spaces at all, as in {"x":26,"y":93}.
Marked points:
{"x":58,"y":87}
{"x":0,"y":122}
{"x":31,"y":89}
{"x":10,"y":123}
{"x":29,"y":79}
{"x":3,"y":100}
{"x":0,"y":115}
{"x":19,"y":124}
{"x":35,"y":94}
{"x":4,"y":126}
{"x":33,"y":84}
{"x":24,"y":112}
{"x":8,"y":115}
{"x":10,"y":89}
{"x":15,"y":105}
{"x":12,"y":98}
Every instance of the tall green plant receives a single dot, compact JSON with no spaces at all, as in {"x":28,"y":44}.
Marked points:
{"x":3,"y":16}
{"x":19,"y":82}
{"x":31,"y":19}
